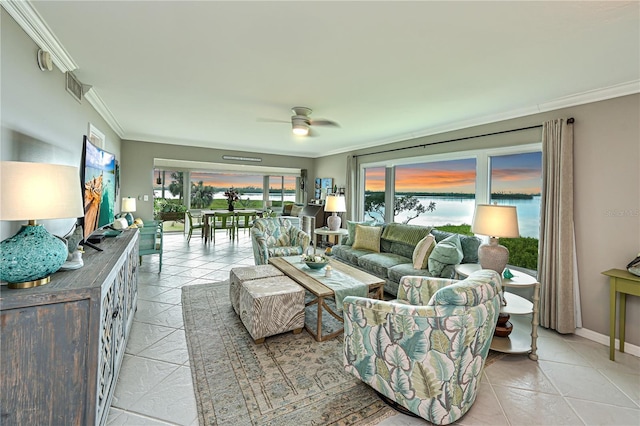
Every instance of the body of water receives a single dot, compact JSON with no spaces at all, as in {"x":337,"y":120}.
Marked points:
{"x":458,"y":211}
{"x":449,"y":210}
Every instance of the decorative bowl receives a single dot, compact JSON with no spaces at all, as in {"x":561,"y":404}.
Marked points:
{"x":316,"y":265}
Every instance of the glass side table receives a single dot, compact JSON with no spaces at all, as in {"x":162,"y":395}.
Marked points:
{"x":519,"y":341}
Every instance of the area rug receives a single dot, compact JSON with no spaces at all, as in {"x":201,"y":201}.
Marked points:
{"x":290,"y":379}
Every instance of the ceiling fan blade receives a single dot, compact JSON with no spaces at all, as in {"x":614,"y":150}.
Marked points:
{"x":324,"y":122}
{"x":269,"y":120}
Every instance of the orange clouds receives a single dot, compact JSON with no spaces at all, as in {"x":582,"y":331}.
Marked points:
{"x":416,"y":179}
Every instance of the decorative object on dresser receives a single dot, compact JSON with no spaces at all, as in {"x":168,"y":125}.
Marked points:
{"x":63,"y":343}
{"x":128,"y":206}
{"x":34,"y":191}
{"x":335,"y":204}
{"x":496,"y":222}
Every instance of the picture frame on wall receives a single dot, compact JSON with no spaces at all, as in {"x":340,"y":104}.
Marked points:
{"x":96,"y":137}
{"x":327,"y":183}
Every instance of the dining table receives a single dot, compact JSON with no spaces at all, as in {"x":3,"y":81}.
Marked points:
{"x":209,"y":214}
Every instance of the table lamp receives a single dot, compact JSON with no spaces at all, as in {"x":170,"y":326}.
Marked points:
{"x":128,"y":206}
{"x":496,"y":222}
{"x":33,"y":191}
{"x":335,"y":204}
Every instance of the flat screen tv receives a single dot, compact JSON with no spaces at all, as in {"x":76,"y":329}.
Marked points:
{"x":98,"y":187}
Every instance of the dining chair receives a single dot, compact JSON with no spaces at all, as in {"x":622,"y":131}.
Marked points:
{"x":244,"y":220}
{"x":195,"y":222}
{"x":223,"y":220}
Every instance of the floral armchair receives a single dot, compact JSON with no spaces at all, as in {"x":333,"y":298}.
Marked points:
{"x":276,"y":236}
{"x":427,"y":349}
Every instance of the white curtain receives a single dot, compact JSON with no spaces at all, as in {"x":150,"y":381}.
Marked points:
{"x":352,"y":187}
{"x":557,"y":265}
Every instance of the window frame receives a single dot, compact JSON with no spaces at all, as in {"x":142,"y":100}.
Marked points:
{"x":483,"y":171}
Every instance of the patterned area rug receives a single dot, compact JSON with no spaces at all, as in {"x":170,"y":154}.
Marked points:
{"x":290,"y":379}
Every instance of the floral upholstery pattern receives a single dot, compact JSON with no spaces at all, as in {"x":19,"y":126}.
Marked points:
{"x":425,"y":351}
{"x":276,"y":236}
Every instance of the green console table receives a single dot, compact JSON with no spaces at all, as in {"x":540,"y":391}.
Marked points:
{"x":623,"y":282}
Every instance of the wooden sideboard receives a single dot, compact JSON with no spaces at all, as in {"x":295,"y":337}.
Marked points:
{"x":62,"y":343}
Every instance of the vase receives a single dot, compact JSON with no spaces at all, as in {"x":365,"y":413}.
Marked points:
{"x":230,"y":207}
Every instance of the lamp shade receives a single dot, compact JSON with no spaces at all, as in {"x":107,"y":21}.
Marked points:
{"x":335,"y":203}
{"x":495,"y":221}
{"x":128,"y":205}
{"x":33,"y":191}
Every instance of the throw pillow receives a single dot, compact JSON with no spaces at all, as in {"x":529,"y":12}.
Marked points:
{"x":351,"y":227}
{"x":446,"y":252}
{"x":295,"y":210}
{"x":422,"y":251}
{"x":367,"y":238}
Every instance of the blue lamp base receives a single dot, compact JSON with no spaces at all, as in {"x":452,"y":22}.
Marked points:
{"x":29,"y":258}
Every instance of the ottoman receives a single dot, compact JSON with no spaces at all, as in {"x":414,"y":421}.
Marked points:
{"x":271,"y":306}
{"x":239,"y":275}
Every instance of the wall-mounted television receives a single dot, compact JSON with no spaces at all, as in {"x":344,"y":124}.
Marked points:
{"x":98,"y":187}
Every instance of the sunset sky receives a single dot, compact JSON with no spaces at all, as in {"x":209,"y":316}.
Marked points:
{"x":519,"y":173}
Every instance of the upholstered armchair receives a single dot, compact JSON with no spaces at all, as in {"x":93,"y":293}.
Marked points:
{"x":276,"y":236}
{"x":426,"y":350}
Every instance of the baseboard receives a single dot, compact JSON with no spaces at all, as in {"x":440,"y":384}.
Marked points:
{"x":604,"y":339}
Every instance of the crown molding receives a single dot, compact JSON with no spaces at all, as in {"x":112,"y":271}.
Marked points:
{"x":616,"y":91}
{"x":35,"y":27}
{"x":623,"y":89}
{"x":101,"y":107}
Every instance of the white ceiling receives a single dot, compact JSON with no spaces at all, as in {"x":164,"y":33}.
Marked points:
{"x":204,"y":73}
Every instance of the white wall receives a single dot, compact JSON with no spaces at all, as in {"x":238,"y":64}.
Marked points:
{"x":40,"y":121}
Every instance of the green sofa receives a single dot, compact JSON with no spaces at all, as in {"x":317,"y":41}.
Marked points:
{"x":397,"y":244}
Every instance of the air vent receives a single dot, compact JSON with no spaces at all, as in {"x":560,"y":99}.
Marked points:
{"x":74,"y":86}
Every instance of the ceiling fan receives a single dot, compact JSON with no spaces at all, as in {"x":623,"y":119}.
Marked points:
{"x":301,"y":122}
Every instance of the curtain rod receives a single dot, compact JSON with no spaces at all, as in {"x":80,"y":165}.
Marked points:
{"x":424,"y":145}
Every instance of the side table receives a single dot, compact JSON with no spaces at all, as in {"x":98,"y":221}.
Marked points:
{"x":623,"y":282}
{"x":326,"y":232}
{"x":518,"y":341}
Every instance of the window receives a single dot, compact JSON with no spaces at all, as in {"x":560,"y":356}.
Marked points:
{"x":282,"y":189}
{"x":516,"y":179}
{"x":168,"y":199}
{"x":435,"y":193}
{"x":442,"y":190}
{"x":374,"y":193}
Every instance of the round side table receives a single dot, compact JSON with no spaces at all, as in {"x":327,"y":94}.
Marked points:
{"x":519,"y":340}
{"x":326,"y":232}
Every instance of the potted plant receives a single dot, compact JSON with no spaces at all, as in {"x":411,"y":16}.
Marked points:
{"x":232,"y":196}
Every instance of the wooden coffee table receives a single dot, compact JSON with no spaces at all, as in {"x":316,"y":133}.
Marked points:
{"x":322,"y":292}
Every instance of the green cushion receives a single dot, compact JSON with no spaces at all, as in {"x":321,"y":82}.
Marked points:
{"x":367,"y":238}
{"x":446,"y":252}
{"x":351,"y":227}
{"x":407,"y":234}
{"x":469,"y":244}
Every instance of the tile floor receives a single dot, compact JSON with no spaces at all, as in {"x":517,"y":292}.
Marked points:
{"x":572,"y":383}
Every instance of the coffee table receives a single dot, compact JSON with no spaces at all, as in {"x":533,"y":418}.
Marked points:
{"x":322,"y":292}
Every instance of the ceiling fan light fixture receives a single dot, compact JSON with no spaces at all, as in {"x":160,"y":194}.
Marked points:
{"x":300,"y":129}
